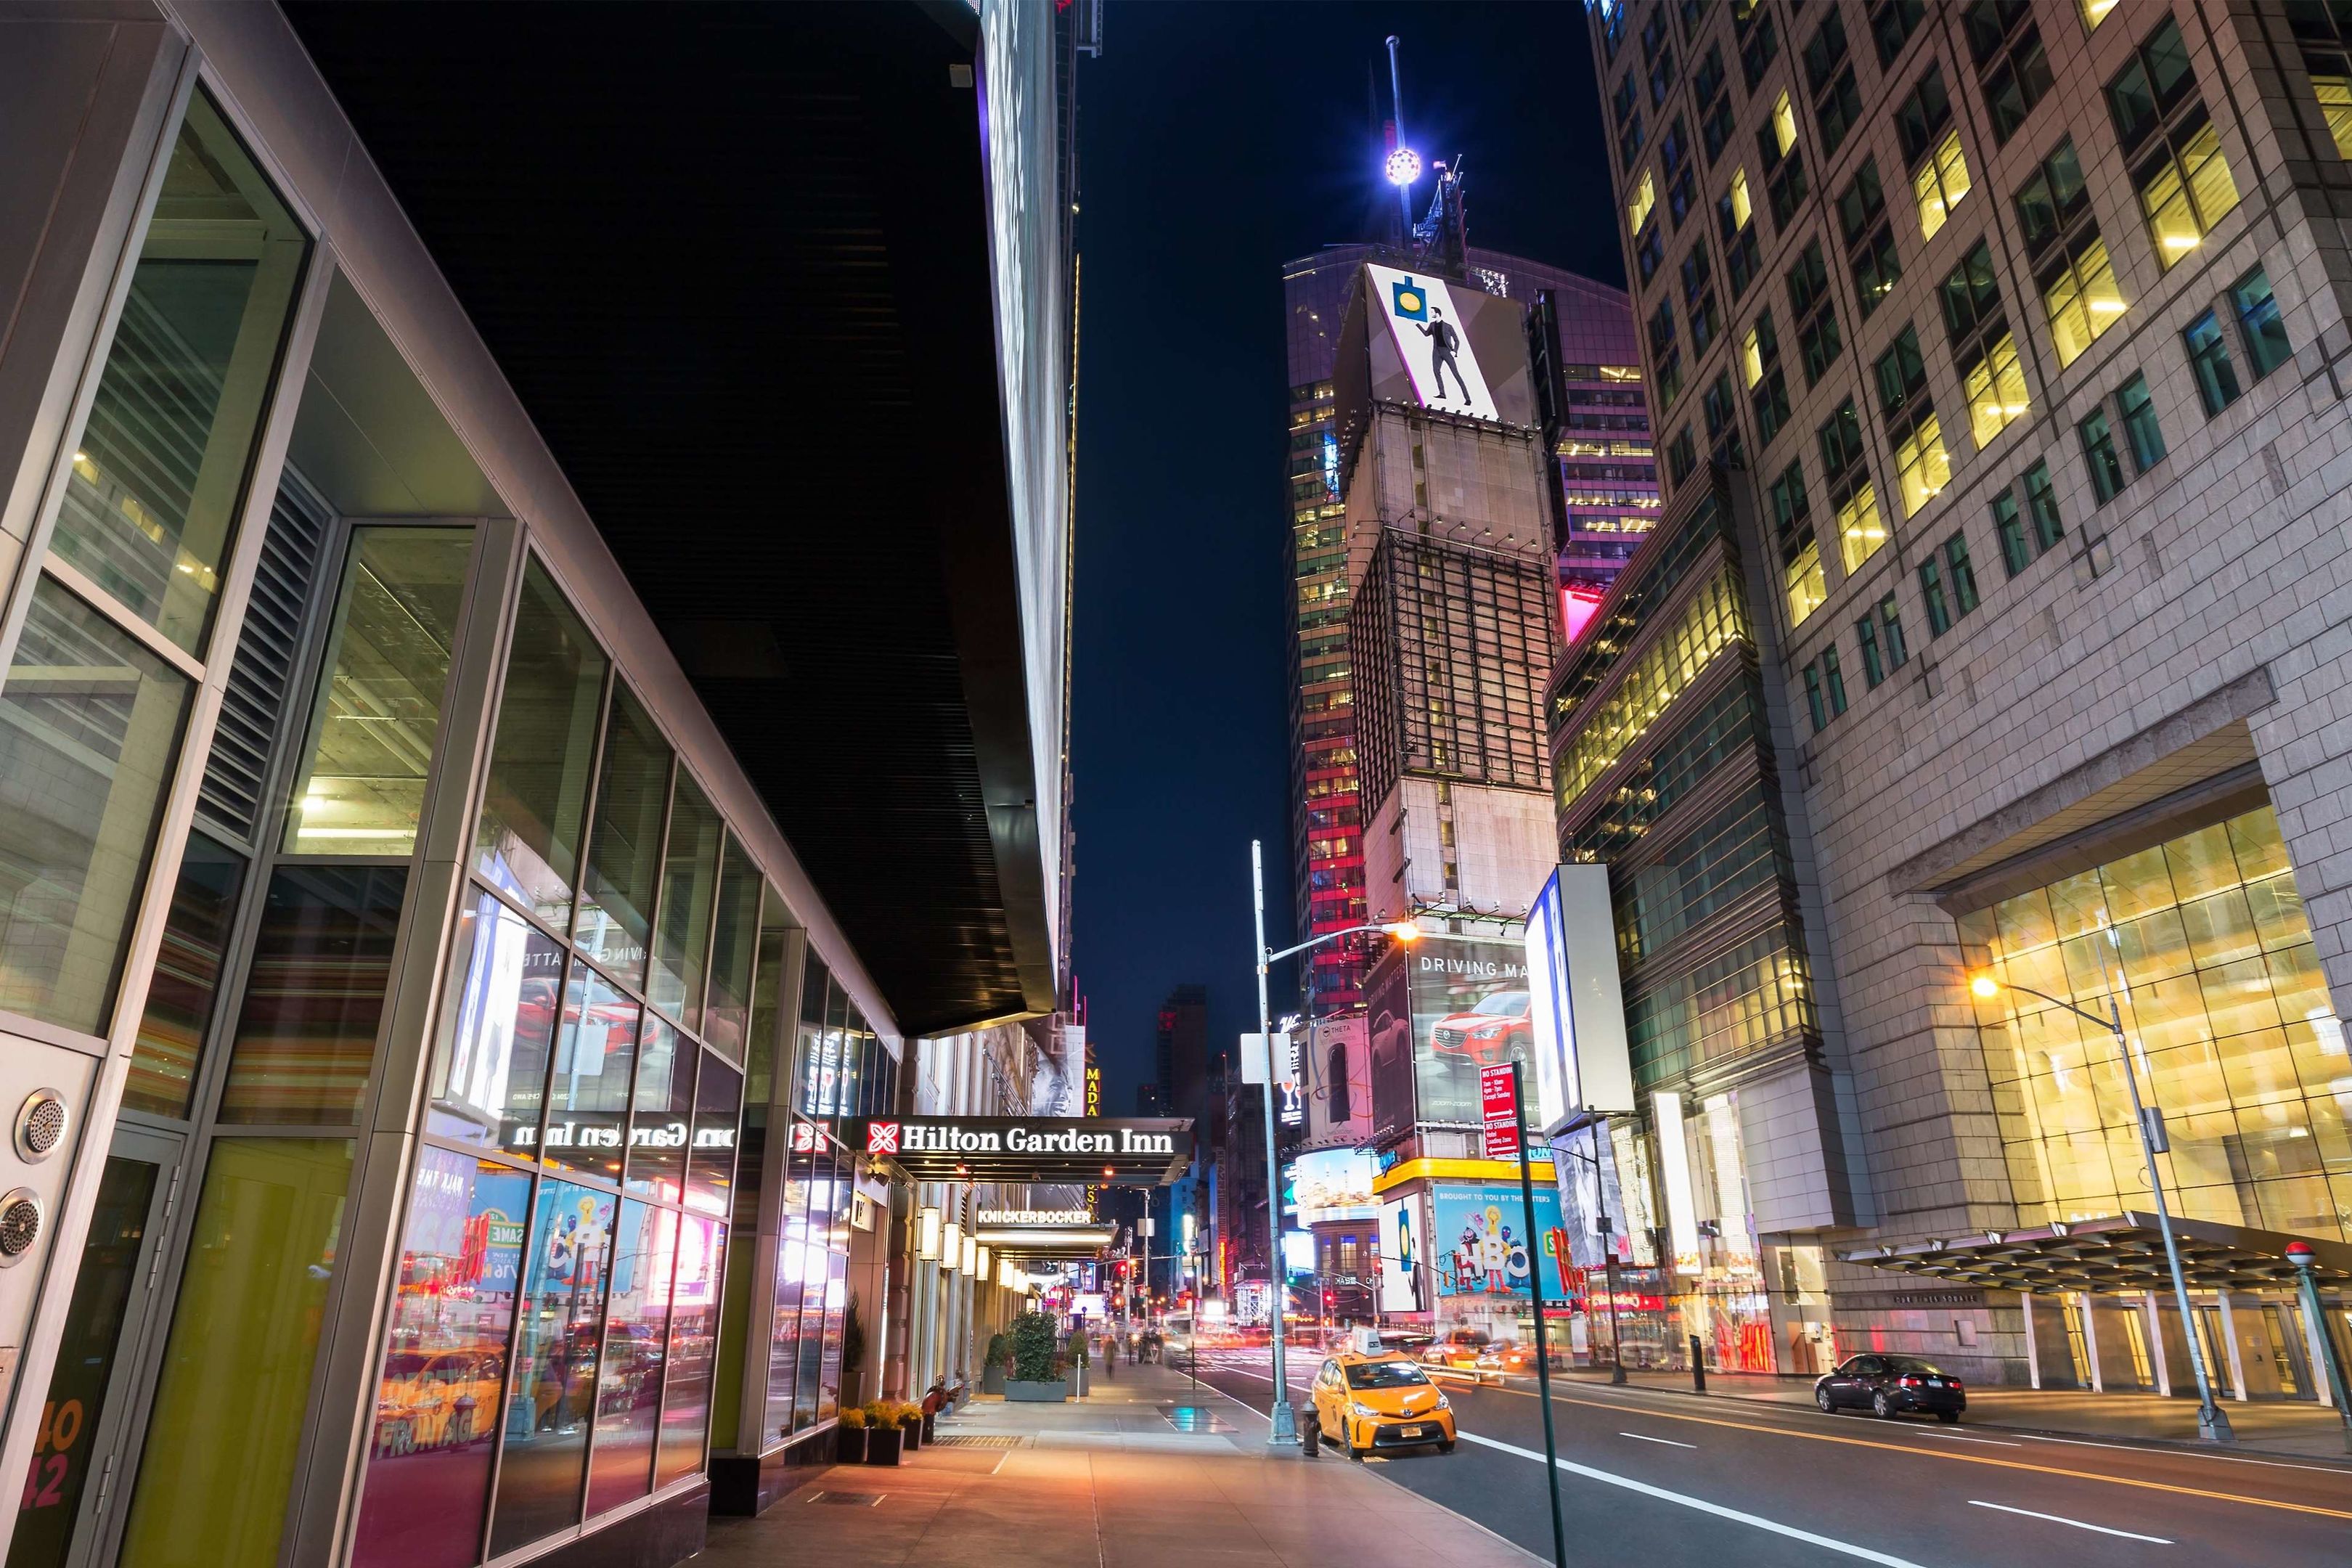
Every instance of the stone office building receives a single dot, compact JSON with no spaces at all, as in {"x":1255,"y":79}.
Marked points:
{"x":2014,"y":331}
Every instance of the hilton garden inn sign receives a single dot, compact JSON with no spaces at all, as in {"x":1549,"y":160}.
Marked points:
{"x":1139,"y":1150}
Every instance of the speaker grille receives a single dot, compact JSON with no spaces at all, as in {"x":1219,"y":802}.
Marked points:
{"x":20,"y":1225}
{"x":41,"y":1125}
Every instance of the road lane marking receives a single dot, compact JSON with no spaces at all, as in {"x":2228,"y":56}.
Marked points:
{"x":1669,"y":1442}
{"x":1959,"y":1437}
{"x":2185,"y":1453}
{"x":1686,"y":1501}
{"x":2078,"y":1524}
{"x":1971,"y":1458}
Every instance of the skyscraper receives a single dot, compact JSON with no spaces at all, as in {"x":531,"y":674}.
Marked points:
{"x":1999,"y":654}
{"x":1606,"y":481}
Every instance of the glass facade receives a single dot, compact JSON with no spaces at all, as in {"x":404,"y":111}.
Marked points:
{"x":2202,"y":943}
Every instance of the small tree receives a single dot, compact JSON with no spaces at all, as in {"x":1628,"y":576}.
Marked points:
{"x":999,"y":1350}
{"x":1033,"y":1348}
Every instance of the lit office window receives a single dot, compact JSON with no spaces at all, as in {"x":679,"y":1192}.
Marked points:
{"x":1994,"y":384}
{"x":2184,"y":187}
{"x":372,"y":733}
{"x":1940,"y":184}
{"x":2080,"y":296}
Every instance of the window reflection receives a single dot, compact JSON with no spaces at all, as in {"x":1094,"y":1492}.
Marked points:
{"x":161,"y":467}
{"x":429,"y":1468}
{"x":497,"y":1024}
{"x":625,"y":846}
{"x":689,"y":877}
{"x":710,"y":1167}
{"x":588,"y":1094}
{"x":379,"y":706}
{"x":535,"y":803}
{"x":693,"y":1346}
{"x":187,"y":982}
{"x":731,"y":951}
{"x":89,"y":724}
{"x":322,"y":962}
{"x":664,"y":1102}
{"x":629,"y":1385}
{"x":551,"y":1396}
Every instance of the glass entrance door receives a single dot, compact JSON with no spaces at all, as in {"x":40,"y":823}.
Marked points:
{"x":76,"y":1459}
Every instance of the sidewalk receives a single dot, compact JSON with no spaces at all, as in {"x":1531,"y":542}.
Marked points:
{"x":2269,"y":1426}
{"x":1110,"y":1481}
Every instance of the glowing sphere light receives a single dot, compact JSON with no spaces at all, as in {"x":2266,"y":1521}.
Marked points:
{"x":1404,"y":166}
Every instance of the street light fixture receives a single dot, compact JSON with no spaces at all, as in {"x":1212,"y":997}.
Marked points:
{"x":2212,"y":1425}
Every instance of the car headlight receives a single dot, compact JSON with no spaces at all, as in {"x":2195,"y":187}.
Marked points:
{"x":1443,"y":1402}
{"x":1366,"y":1411}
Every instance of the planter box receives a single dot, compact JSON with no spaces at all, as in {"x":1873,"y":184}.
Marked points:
{"x":992,"y":1379}
{"x":912,"y":1436}
{"x":1052,"y":1392}
{"x":883,"y":1446}
{"x":849,"y":1445}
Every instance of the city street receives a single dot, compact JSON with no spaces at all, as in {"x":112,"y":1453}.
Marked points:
{"x":1665,"y":1480}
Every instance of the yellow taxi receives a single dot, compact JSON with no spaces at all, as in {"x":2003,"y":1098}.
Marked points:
{"x":1367,"y":1400}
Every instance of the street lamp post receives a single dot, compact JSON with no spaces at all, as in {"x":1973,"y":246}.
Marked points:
{"x":1284,"y":1420}
{"x":2212,"y":1425}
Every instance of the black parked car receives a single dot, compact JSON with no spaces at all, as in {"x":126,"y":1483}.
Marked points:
{"x":1891,"y":1385}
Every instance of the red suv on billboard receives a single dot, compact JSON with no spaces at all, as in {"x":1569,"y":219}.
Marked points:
{"x":1498,"y":1029}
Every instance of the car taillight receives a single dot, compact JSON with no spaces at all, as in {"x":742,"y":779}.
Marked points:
{"x":1912,"y":1382}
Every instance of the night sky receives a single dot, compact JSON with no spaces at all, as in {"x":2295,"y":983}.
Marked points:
{"x":1218,"y":141}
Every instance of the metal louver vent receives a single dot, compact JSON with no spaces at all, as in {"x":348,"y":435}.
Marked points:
{"x":253,"y":704}
{"x":41,"y":1125}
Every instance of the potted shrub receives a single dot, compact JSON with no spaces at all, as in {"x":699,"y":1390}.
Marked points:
{"x":850,"y":1437}
{"x":910,"y":1426}
{"x":992,"y":1372}
{"x":1036,"y":1375}
{"x":884,"y":1441}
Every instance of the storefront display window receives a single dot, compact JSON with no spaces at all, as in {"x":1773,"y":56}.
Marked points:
{"x":664,"y":1103}
{"x":244,"y":1336}
{"x":693,"y":1342}
{"x":535,"y":804}
{"x":629,"y":1384}
{"x":378,"y":716}
{"x":552,"y":1396}
{"x":186,"y":982}
{"x":625,"y":846}
{"x":445,"y":1365}
{"x":152,"y":496}
{"x":2203,"y":942}
{"x":89,"y":724}
{"x":710,"y":1157}
{"x":314,"y":1000}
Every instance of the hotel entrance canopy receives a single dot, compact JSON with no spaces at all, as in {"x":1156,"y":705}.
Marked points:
{"x":2115,"y":1252}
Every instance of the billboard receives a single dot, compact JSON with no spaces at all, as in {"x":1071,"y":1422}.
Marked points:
{"x":1480,"y":1244}
{"x":1584,"y":1166}
{"x":1331,"y":1185}
{"x":1469,"y":1011}
{"x":1404,"y":1282}
{"x":1430,"y":337}
{"x":1576,"y":1007}
{"x":1388,"y":1028}
{"x":1339,"y":1104}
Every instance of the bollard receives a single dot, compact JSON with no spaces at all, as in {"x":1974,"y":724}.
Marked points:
{"x":1698,"y":1366}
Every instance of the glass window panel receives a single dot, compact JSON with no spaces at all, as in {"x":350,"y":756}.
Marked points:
{"x":245,"y":1333}
{"x":445,"y":1365}
{"x":2299,"y":986}
{"x":2259,"y":1068}
{"x":2238,"y":997}
{"x":664,"y":1102}
{"x":89,"y":1350}
{"x":689,"y":877}
{"x":2220,"y":928}
{"x":186,"y":982}
{"x":711,"y":1163}
{"x":693,"y":1342}
{"x":321,"y":962}
{"x":2154,"y":946}
{"x":836,"y":1297}
{"x":2077,"y":904}
{"x":629,"y":1382}
{"x":786,"y":1388}
{"x":588,"y":1092}
{"x":535,"y":802}
{"x":814,"y":1270}
{"x":552,"y":1394}
{"x":815,"y":1080}
{"x":2168,"y":1012}
{"x":731,"y":948}
{"x":768,"y":1060}
{"x":379,"y":707}
{"x":2138,"y":884}
{"x":497,"y":1029}
{"x":841,"y":1051}
{"x":625,"y":846}
{"x":161,"y":467}
{"x":2189,"y":1080}
{"x":2255,"y":839}
{"x":89,"y":724}
{"x":2025,"y":921}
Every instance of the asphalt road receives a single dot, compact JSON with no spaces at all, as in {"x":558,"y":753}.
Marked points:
{"x":1660,"y":1479}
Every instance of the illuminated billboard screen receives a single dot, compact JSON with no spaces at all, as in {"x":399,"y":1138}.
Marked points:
{"x":1430,"y":335}
{"x":1480,"y":1241}
{"x":1404,"y":1282}
{"x":1332,"y":1185}
{"x":1469,"y":1010}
